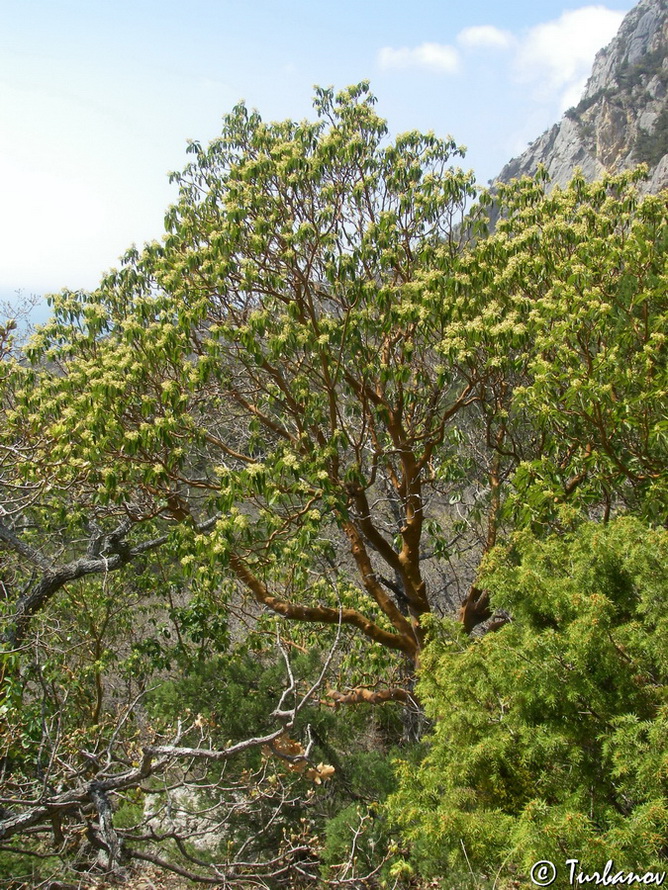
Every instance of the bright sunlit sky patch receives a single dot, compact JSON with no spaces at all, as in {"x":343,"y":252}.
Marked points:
{"x":98,"y":98}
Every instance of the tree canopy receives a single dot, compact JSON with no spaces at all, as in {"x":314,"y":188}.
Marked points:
{"x":274,"y":367}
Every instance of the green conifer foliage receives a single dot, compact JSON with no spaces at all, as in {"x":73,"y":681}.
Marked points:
{"x":551,"y":735}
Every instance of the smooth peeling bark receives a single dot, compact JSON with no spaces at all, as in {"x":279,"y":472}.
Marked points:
{"x":321,"y":614}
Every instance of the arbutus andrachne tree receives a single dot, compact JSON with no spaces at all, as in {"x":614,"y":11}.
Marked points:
{"x":269,"y":377}
{"x":242,"y":406}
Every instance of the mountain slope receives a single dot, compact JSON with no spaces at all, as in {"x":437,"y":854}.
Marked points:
{"x":622,"y":118}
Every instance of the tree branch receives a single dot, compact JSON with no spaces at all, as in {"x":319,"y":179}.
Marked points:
{"x":404,"y":642}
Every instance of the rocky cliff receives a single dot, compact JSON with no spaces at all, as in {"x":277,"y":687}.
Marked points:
{"x":622,"y":118}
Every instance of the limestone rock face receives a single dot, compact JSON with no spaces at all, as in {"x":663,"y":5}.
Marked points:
{"x":622,"y":118}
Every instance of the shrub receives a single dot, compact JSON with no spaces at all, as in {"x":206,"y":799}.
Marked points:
{"x":551,"y":736}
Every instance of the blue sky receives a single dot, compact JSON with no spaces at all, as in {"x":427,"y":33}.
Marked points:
{"x":99,"y":97}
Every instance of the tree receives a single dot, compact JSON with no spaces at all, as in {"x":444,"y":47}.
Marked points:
{"x":550,"y":735}
{"x":237,"y":410}
{"x":270,"y":376}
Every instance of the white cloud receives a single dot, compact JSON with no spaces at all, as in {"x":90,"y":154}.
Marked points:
{"x":556,"y":57}
{"x":485,"y":36}
{"x":433,"y":56}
